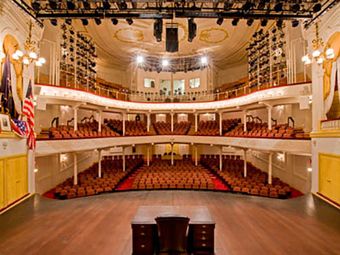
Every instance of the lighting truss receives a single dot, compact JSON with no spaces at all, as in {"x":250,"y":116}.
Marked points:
{"x":163,"y":9}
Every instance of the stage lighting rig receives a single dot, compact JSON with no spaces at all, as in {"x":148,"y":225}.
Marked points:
{"x":192,"y":27}
{"x":158,"y":29}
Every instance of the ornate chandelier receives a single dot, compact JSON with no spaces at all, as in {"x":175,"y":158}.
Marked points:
{"x":318,"y":55}
{"x":29,"y":55}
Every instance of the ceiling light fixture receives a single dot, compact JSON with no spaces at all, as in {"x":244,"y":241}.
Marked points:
{"x":264,"y":22}
{"x":192,"y":27}
{"x":165,"y":62}
{"x":85,"y":22}
{"x":140,"y":59}
{"x":114,"y":21}
{"x":295,"y":23}
{"x":158,"y":29}
{"x":204,"y":60}
{"x":250,"y":22}
{"x":97,"y":21}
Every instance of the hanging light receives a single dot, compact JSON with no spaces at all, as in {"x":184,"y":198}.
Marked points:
{"x":316,"y":53}
{"x":38,"y":64}
{"x":25,"y":61}
{"x":330,"y":53}
{"x":140,"y":59}
{"x":305,"y":58}
{"x":42,"y":60}
{"x":320,"y":60}
{"x":15,"y":56}
{"x":19,"y":53}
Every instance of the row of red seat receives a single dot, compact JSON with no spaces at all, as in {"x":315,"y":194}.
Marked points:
{"x":90,"y":184}
{"x":164,"y":128}
{"x":255,"y":183}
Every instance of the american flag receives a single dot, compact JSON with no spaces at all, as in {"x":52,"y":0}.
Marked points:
{"x":19,"y":127}
{"x":28,"y":110}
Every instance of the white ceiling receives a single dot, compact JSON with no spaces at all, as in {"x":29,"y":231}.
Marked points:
{"x":118,"y":45}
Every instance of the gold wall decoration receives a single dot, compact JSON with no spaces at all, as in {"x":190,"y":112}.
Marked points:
{"x":213,"y":35}
{"x":10,"y":45}
{"x":185,"y":32}
{"x":129,"y":35}
{"x":334,"y":43}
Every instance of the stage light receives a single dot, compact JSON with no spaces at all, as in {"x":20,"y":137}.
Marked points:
{"x":86,"y":5}
{"x":114,"y":21}
{"x":235,"y":21}
{"x":106,"y":5}
{"x":85,"y":22}
{"x":279,"y":23}
{"x":68,"y":21}
{"x":264,"y":22}
{"x":70,"y":5}
{"x":53,"y":4}
{"x":192,"y":26}
{"x":54,"y":22}
{"x":295,"y":23}
{"x":247,"y":6}
{"x":250,"y":22}
{"x":317,"y":7}
{"x":165,"y":62}
{"x":295,"y":8}
{"x":97,"y":21}
{"x":36,"y":5}
{"x":122,"y":5}
{"x":228,"y":5}
{"x":204,"y":60}
{"x":140,"y":59}
{"x":129,"y":21}
{"x":278,"y":7}
{"x":219,"y":21}
{"x":158,"y":29}
{"x":261,"y":4}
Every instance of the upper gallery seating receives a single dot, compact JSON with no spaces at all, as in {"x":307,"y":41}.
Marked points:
{"x":182,"y":175}
{"x":132,"y":127}
{"x":254,"y":184}
{"x":210,"y":127}
{"x":90,"y":184}
{"x":85,"y":130}
{"x":164,"y":128}
{"x":229,"y":124}
{"x":261,"y":130}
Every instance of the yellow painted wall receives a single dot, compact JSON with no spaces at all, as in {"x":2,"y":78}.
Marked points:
{"x":13,"y":179}
{"x":329,"y":176}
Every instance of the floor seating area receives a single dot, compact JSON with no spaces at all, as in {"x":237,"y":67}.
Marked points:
{"x":254,"y":184}
{"x":90,"y":184}
{"x":182,"y":175}
{"x":164,"y":128}
{"x":206,"y":128}
{"x":260,"y":130}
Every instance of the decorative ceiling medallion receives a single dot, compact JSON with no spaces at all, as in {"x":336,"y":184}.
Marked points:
{"x":213,"y":35}
{"x":184,"y":33}
{"x":129,"y":35}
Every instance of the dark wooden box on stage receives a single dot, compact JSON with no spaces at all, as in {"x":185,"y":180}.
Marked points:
{"x":144,"y":229}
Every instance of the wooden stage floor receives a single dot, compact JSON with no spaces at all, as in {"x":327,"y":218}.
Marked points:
{"x":100,"y":225}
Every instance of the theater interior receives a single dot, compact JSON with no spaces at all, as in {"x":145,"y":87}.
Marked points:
{"x":169,"y":127}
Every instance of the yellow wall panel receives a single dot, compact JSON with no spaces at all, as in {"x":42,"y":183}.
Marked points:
{"x":329,"y":176}
{"x":2,"y":184}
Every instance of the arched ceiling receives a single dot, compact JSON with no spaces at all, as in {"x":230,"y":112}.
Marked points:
{"x":117,"y":45}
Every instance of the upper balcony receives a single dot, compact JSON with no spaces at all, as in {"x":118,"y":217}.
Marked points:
{"x":242,"y":98}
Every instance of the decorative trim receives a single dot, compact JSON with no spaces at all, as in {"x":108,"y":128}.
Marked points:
{"x":205,"y":35}
{"x":15,"y":203}
{"x":325,"y":134}
{"x":327,"y":200}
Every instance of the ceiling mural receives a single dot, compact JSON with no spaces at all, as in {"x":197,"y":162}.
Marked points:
{"x":119,"y":44}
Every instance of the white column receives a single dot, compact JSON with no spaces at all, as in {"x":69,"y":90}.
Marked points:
{"x":75,"y":118}
{"x":220,"y":115}
{"x":244,"y":163}
{"x":269,"y":108}
{"x":172,"y":122}
{"x":100,"y":121}
{"x":148,"y":156}
{"x":100,"y":163}
{"x":270,"y":167}
{"x":75,"y":169}
{"x":124,"y":159}
{"x":124,"y":118}
{"x":172,"y":154}
{"x":196,"y":122}
{"x":31,"y":170}
{"x":244,"y":121}
{"x":221,"y":162}
{"x":196,"y":155}
{"x":148,"y":122}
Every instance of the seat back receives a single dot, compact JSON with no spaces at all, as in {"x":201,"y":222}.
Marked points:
{"x":172,"y":233}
